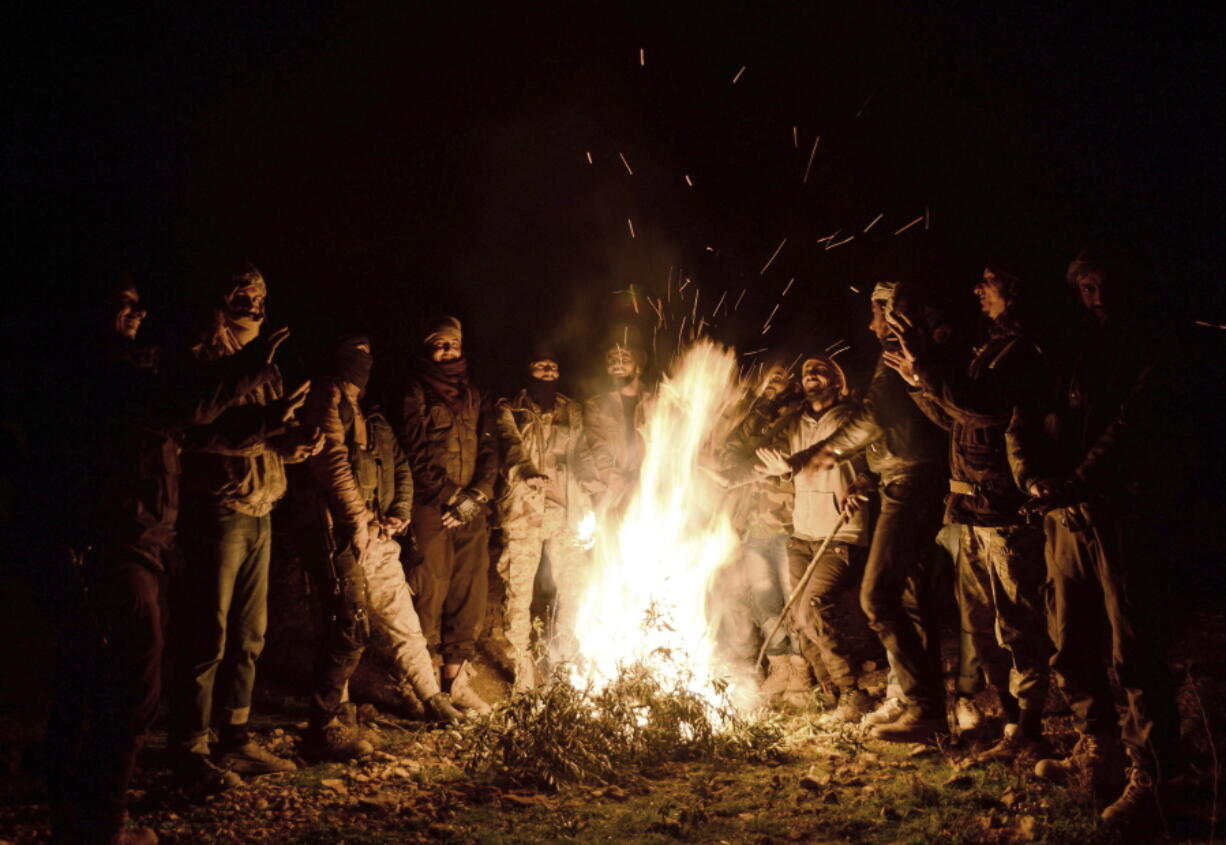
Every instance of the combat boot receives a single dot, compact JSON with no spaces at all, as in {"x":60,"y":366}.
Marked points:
{"x":525,"y":673}
{"x":465,"y":697}
{"x":778,"y":675}
{"x":241,"y":754}
{"x":888,"y":711}
{"x":913,"y":726}
{"x":440,"y":709}
{"x":198,"y":777}
{"x":854,"y":705}
{"x":799,"y":689}
{"x":1138,"y":804}
{"x":333,"y":741}
{"x":1015,"y":743}
{"x":1096,"y":757}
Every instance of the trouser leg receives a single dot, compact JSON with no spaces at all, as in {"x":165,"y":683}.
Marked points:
{"x":905,"y":527}
{"x":977,"y":612}
{"x":1135,"y":599}
{"x":391,"y":608}
{"x":729,"y":595}
{"x":429,"y":579}
{"x":1076,"y":619}
{"x":517,"y":566}
{"x":822,"y":634}
{"x":346,"y":629}
{"x":1014,"y":555}
{"x":464,"y":603}
{"x":569,"y":565}
{"x":247,"y":624}
{"x":767,"y":568}
{"x":216,"y":543}
{"x":95,"y":739}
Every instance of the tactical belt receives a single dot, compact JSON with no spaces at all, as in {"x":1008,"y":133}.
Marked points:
{"x":967,"y":488}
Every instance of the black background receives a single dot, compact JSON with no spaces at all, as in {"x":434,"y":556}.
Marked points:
{"x":382,"y":162}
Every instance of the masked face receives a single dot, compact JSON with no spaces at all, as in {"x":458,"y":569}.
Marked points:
{"x":620,"y":364}
{"x":446,"y":349}
{"x":128,"y":314}
{"x":775,"y":382}
{"x":990,"y":292}
{"x":248,"y":301}
{"x":545,"y":369}
{"x":819,"y":381}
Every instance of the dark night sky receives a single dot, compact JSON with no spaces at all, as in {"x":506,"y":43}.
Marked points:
{"x":383,"y":161}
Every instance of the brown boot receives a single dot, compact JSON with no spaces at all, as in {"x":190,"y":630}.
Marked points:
{"x":854,"y":705}
{"x":778,"y":676}
{"x":464,"y":696}
{"x":1097,"y":757}
{"x":334,"y":741}
{"x":1138,"y":805}
{"x":799,"y":690}
{"x":888,"y":711}
{"x":913,"y":726}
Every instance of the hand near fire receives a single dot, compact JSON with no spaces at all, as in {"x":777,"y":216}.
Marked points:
{"x":772,"y":462}
{"x":857,"y":495}
{"x":902,"y":360}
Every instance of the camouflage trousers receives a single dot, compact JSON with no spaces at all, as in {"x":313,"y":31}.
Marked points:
{"x":1000,"y":575}
{"x":525,"y":549}
{"x":390,"y":603}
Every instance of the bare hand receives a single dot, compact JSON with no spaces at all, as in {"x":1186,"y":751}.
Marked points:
{"x":773,"y":462}
{"x":393,"y":525}
{"x":857,"y":495}
{"x":909,"y":338}
{"x":902,"y":365}
{"x":290,"y":403}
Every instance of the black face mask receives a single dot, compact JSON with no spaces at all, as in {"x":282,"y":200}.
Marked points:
{"x":543,"y":393}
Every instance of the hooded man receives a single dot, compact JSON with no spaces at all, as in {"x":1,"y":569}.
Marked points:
{"x":612,"y":423}
{"x":822,"y":511}
{"x":1000,"y":560}
{"x":905,"y":452}
{"x":233,"y":475}
{"x":1095,"y":450}
{"x":447,"y":430}
{"x":122,"y":490}
{"x":544,"y":457}
{"x":363,"y":495}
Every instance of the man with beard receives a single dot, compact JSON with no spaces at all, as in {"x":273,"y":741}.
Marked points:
{"x":447,"y":430}
{"x":1096,"y":454}
{"x":762,"y":513}
{"x":122,"y":487}
{"x":234,"y":474}
{"x":826,"y":506}
{"x":363,"y":495}
{"x":612,"y":423}
{"x":1000,"y":561}
{"x":544,"y":459}
{"x":905,"y":451}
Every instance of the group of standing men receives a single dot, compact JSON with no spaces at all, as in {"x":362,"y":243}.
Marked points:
{"x":408,"y":486}
{"x":1047,"y":463}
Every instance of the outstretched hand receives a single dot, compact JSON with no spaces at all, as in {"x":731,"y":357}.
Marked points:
{"x":773,"y":462}
{"x":272,"y":340}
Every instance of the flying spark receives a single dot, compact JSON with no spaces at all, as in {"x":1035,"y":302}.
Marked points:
{"x":738,"y":74}
{"x":838,"y":342}
{"x":788,"y":286}
{"x":589,"y":157}
{"x":808,"y":166}
{"x":829,"y":237}
{"x":767,"y":324}
{"x":774,"y":255}
{"x":853,"y":288}
{"x":686,"y":285}
{"x":739,"y":298}
{"x":840,"y":243}
{"x":795,"y":138}
{"x":642,"y":57}
{"x":626,"y":163}
{"x":909,"y":225}
{"x":630,"y":223}
{"x":690,"y":182}
{"x":634,"y":300}
{"x":874,"y":223}
{"x":755,"y":352}
{"x":722,"y":296}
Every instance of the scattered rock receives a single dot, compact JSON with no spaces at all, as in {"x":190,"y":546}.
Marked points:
{"x":831,"y":797}
{"x":335,"y":784}
{"x":959,"y":780}
{"x":1027,"y":828}
{"x":815,"y":780}
{"x":519,"y":800}
{"x":1010,"y":798}
{"x":920,"y":750}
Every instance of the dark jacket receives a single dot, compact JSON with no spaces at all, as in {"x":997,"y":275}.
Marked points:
{"x":447,"y":451}
{"x":898,"y":441}
{"x":975,"y":403}
{"x":126,"y":454}
{"x":361,"y":472}
{"x":1103,"y":419}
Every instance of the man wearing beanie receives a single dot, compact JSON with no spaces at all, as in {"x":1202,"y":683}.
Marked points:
{"x":905,"y":452}
{"x":233,"y":475}
{"x":362,"y":499}
{"x":446,"y":428}
{"x":820,"y":498}
{"x":544,"y":458}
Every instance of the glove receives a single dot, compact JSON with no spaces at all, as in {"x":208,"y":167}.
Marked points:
{"x":464,"y":508}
